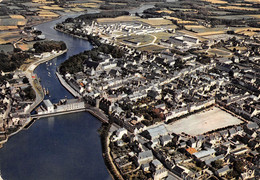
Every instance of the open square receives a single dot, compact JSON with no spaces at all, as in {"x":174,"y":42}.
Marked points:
{"x":208,"y":120}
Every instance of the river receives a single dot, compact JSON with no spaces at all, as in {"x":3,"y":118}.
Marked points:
{"x":61,"y":147}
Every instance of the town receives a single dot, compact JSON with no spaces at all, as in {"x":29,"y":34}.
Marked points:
{"x":177,"y":89}
{"x":179,"y":113}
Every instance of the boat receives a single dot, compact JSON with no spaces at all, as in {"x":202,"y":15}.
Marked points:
{"x":44,"y":91}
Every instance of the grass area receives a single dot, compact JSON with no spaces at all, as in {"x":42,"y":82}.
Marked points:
{"x":77,"y":9}
{"x":151,"y":48}
{"x":156,"y":21}
{"x":162,"y":35}
{"x":143,"y":39}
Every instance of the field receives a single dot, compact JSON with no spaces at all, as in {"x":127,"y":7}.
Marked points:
{"x":180,"y":21}
{"x":86,"y":5}
{"x":8,"y":37}
{"x":156,"y":21}
{"x":117,"y":19}
{"x":238,"y":17}
{"x":192,"y":34}
{"x":3,"y":28}
{"x":52,"y":7}
{"x":213,"y":118}
{"x":151,"y":48}
{"x":238,"y":8}
{"x":253,"y":1}
{"x":45,"y":13}
{"x":216,"y":1}
{"x":165,"y":11}
{"x":13,"y":16}
{"x":196,"y":28}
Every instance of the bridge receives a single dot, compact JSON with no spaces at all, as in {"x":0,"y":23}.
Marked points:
{"x":92,"y":110}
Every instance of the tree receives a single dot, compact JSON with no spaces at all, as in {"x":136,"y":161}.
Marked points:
{"x":25,"y":80}
{"x":217,"y":164}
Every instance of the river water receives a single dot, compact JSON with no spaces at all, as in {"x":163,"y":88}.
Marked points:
{"x":61,"y":147}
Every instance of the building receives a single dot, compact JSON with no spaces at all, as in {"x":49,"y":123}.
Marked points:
{"x":48,"y":105}
{"x":70,"y":104}
{"x":145,"y":157}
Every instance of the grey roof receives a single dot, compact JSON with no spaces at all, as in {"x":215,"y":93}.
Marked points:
{"x":47,"y":103}
{"x":208,"y":161}
{"x":224,"y":169}
{"x":145,"y":154}
{"x":204,"y":153}
{"x":252,"y":125}
{"x":157,"y":131}
{"x":156,"y":163}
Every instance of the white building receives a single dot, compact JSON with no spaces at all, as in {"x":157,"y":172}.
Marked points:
{"x":48,"y":105}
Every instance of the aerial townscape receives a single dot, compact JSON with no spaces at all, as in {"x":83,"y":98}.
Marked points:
{"x":175,"y":85}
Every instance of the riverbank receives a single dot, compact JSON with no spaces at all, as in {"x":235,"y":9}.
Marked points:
{"x":85,"y":38}
{"x":35,"y":85}
{"x":104,"y":135}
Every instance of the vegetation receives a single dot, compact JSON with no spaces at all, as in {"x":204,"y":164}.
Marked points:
{"x":29,"y":93}
{"x":48,"y":46}
{"x":91,"y":17}
{"x":10,"y":62}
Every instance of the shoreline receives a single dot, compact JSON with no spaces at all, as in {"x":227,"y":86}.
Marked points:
{"x":36,"y":102}
{"x":111,"y":167}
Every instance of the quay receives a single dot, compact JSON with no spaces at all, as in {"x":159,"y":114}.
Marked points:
{"x":67,"y":106}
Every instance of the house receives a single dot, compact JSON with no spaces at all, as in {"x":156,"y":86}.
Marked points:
{"x":252,"y":126}
{"x":145,"y":167}
{"x":157,"y":164}
{"x":160,"y":174}
{"x":165,"y":139}
{"x":119,"y":134}
{"x":157,"y":131}
{"x":145,"y":157}
{"x":204,"y":153}
{"x":48,"y":105}
{"x":223,"y":171}
{"x":192,"y":143}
